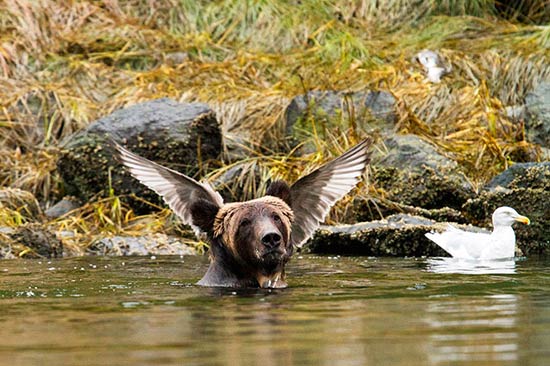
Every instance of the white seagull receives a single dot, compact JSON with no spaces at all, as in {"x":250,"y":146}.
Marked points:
{"x":433,"y":65}
{"x":501,"y":243}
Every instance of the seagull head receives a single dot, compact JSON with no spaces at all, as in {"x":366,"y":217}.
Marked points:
{"x":506,"y":216}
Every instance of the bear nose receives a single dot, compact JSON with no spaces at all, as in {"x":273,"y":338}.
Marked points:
{"x":271,"y":240}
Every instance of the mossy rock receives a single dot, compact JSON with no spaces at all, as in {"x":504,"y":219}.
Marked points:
{"x":182,"y":136}
{"x":322,"y":113}
{"x":413,"y":173}
{"x":397,"y":236}
{"x":523,"y":175}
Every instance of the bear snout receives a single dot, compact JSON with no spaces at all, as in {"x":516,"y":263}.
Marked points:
{"x":271,"y":240}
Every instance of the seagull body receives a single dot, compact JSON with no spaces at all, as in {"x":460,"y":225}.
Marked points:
{"x":501,"y":243}
{"x":433,"y":65}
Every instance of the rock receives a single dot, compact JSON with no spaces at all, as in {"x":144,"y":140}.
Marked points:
{"x":537,"y":125}
{"x":526,"y":188}
{"x":375,"y":209}
{"x":522,"y":175}
{"x":398,"y":235}
{"x":182,"y":136}
{"x":67,"y":204}
{"x":413,"y":173}
{"x":532,"y":202}
{"x":40,"y":239}
{"x":153,"y":244}
{"x":326,"y":107}
{"x":21,"y":201}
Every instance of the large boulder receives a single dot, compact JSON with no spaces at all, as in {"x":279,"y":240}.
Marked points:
{"x":329,"y":111}
{"x":411,"y":172}
{"x":526,"y":188}
{"x":182,"y":136}
{"x":398,"y":235}
{"x":538,"y":111}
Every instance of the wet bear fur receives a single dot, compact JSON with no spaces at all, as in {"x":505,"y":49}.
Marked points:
{"x":249,"y":241}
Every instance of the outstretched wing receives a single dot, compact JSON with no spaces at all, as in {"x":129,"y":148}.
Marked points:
{"x":313,"y":195}
{"x":178,"y":190}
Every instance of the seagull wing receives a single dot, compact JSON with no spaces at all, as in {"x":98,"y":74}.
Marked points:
{"x":312,"y":196}
{"x":178,"y":190}
{"x":460,"y":243}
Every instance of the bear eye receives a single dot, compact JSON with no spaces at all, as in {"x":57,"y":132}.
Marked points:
{"x":276,"y":218}
{"x":244,"y":222}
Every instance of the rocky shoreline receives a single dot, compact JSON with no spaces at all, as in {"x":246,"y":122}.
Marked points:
{"x":421,"y":187}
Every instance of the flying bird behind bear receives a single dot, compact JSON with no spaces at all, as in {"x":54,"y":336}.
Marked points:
{"x":251,"y":241}
{"x":499,"y":244}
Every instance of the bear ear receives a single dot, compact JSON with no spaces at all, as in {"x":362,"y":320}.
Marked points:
{"x":203,"y":214}
{"x":279,"y":189}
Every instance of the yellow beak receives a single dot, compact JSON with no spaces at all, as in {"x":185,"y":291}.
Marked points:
{"x":523,"y":219}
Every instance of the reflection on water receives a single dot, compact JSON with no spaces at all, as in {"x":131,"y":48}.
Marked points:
{"x":337,"y":311}
{"x":471,"y":266}
{"x":482,"y":329}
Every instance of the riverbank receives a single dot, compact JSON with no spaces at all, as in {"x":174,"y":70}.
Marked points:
{"x":290,"y":86}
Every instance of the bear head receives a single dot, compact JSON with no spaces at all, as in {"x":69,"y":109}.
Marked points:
{"x":256,"y":235}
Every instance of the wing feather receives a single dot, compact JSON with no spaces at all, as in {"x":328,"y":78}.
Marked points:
{"x":178,"y":190}
{"x":313,"y":195}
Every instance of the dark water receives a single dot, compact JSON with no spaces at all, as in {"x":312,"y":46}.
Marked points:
{"x":337,"y":311}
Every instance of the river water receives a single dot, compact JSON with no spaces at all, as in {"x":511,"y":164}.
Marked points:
{"x":337,"y":311}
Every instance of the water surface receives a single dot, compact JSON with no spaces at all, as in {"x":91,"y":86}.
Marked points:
{"x":337,"y":311}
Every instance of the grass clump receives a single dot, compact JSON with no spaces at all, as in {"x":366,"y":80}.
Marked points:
{"x":65,"y":64}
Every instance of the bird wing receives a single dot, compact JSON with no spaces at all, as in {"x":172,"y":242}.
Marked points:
{"x":460,"y":243}
{"x":313,"y":195}
{"x":178,"y":190}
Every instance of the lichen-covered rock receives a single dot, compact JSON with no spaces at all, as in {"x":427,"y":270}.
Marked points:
{"x":398,"y":235}
{"x":181,"y":136}
{"x":154,"y":244}
{"x":538,"y":110}
{"x":411,"y":172}
{"x":328,"y":109}
{"x":523,"y":175}
{"x":534,"y":203}
{"x":39,"y":239}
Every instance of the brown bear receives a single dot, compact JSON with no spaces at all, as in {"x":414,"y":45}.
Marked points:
{"x":251,"y":241}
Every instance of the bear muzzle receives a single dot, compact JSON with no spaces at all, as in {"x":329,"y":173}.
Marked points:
{"x":273,"y":250}
{"x":272,"y":240}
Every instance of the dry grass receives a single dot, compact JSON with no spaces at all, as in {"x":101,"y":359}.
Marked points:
{"x":64,"y":64}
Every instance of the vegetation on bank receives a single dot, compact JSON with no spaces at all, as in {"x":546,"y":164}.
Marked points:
{"x":64,"y":64}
